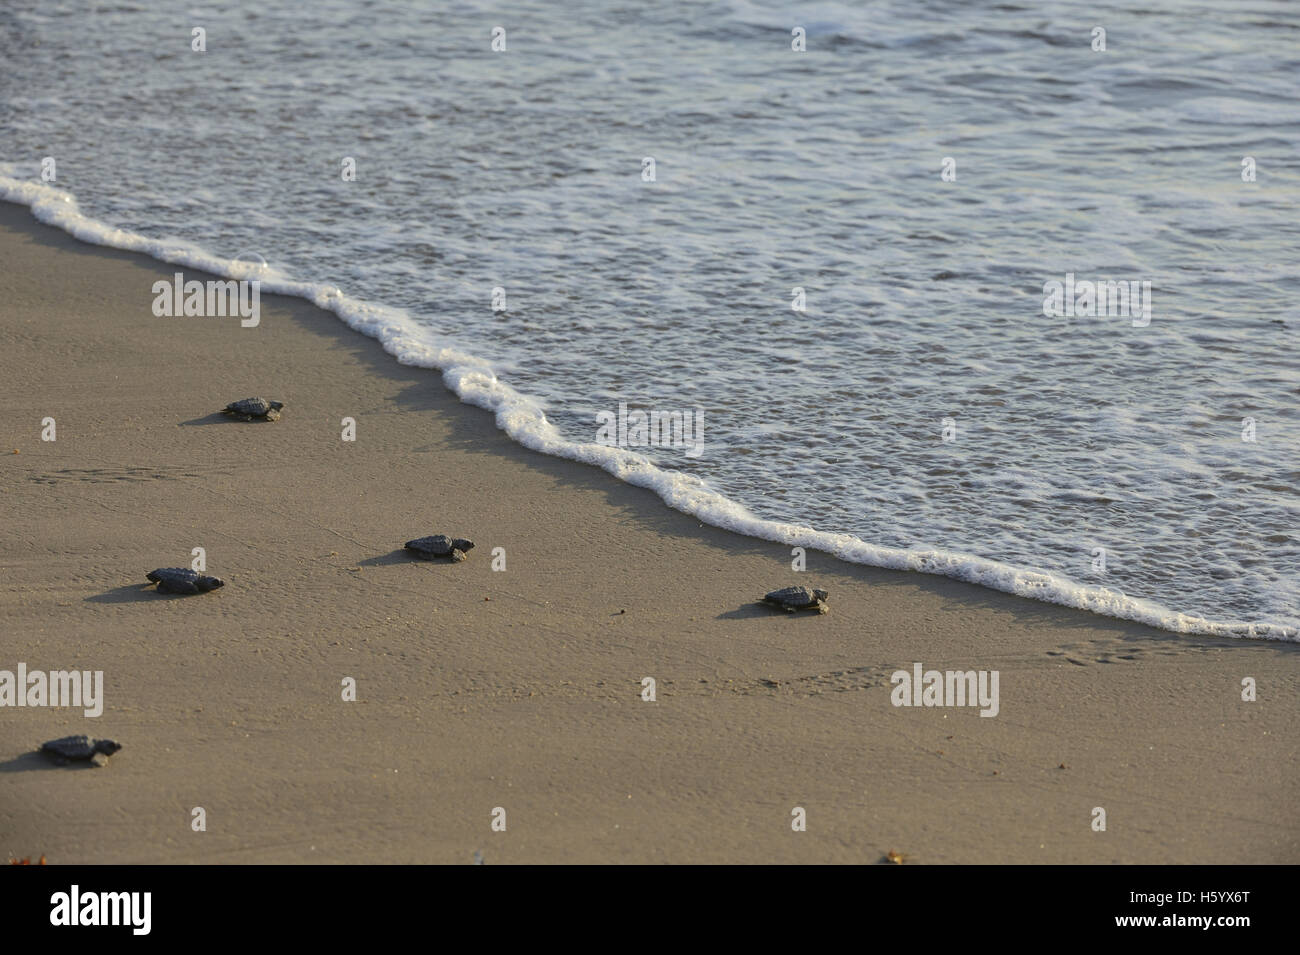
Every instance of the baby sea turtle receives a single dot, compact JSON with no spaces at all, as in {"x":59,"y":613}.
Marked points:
{"x":439,"y":545}
{"x":798,"y":598}
{"x":80,"y":748}
{"x":248,"y":409}
{"x":179,"y":580}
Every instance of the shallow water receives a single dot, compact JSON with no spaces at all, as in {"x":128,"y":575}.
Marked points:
{"x":522,"y":170}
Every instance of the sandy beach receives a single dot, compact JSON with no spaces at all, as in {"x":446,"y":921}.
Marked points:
{"x":522,"y":689}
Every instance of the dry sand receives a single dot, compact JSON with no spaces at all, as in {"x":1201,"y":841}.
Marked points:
{"x":522,"y":689}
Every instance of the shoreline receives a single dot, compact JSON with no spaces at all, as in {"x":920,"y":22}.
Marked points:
{"x":523,"y":419}
{"x":522,"y":688}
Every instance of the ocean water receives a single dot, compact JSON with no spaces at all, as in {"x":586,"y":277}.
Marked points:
{"x":1098,"y":462}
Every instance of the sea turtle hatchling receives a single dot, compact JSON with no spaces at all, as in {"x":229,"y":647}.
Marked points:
{"x":798,"y":598}
{"x":179,"y":580}
{"x":250,"y":409}
{"x":439,"y":545}
{"x":80,"y":748}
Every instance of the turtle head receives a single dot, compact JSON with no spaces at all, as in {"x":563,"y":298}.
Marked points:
{"x":210,"y":583}
{"x":276,"y":405}
{"x":107,"y":746}
{"x":461,"y":544}
{"x":820,"y":594}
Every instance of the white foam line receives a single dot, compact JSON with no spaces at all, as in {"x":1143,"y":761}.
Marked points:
{"x":524,"y":420}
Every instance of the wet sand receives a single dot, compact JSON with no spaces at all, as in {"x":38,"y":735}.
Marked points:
{"x":522,"y":689}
